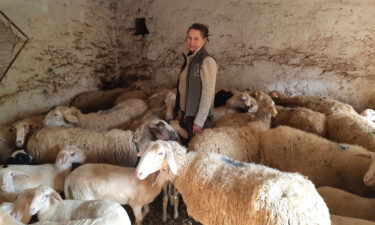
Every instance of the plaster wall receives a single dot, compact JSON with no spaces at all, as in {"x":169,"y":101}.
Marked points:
{"x":73,"y":48}
{"x":313,"y":47}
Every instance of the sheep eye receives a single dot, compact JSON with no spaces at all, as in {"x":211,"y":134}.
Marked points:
{"x":55,"y":114}
{"x":46,"y":196}
{"x":160,"y":153}
{"x":73,"y":154}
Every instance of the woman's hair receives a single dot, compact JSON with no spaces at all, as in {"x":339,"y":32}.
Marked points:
{"x":201,"y":27}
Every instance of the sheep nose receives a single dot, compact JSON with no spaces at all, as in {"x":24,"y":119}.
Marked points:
{"x":19,"y":143}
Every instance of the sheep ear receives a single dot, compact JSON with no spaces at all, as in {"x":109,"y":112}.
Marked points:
{"x":68,"y":116}
{"x":367,"y":155}
{"x":62,"y":158}
{"x":170,"y":159}
{"x":55,"y":196}
{"x":19,"y":173}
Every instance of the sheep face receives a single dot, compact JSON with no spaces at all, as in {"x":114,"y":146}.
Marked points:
{"x":6,"y":179}
{"x":243,"y":101}
{"x":70,"y":154}
{"x":158,"y":156}
{"x":39,"y":198}
{"x":61,"y":117}
{"x":22,"y":129}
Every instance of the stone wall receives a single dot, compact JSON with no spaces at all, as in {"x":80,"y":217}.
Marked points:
{"x":315,"y":47}
{"x":73,"y":48}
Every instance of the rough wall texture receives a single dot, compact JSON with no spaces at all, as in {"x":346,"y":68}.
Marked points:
{"x":73,"y":48}
{"x":315,"y":47}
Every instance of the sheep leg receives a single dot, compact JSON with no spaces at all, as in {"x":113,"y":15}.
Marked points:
{"x":146,"y":210}
{"x":138,"y":214}
{"x":175,"y":201}
{"x":165,"y":202}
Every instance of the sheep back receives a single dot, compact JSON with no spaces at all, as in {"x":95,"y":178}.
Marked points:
{"x":352,"y":129}
{"x":239,"y":143}
{"x":301,"y":118}
{"x":326,"y":163}
{"x":114,"y":146}
{"x":92,"y":101}
{"x":218,"y":190}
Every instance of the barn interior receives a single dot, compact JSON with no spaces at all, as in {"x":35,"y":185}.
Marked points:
{"x":52,"y":51}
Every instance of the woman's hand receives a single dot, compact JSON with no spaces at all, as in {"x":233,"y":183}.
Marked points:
{"x":196,"y":129}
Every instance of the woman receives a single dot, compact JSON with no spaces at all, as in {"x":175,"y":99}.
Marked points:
{"x":196,"y":82}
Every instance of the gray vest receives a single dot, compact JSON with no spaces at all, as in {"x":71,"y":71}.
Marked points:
{"x":193,"y":82}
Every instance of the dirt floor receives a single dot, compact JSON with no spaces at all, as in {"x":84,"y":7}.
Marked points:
{"x":154,"y":217}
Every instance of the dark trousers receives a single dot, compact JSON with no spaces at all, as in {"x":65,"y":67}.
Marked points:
{"x":188,"y":123}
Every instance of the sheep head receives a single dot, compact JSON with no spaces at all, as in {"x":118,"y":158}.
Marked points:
{"x":243,"y":101}
{"x":70,"y":154}
{"x":158,"y":156}
{"x":61,"y":116}
{"x":6,"y":179}
{"x":39,"y":198}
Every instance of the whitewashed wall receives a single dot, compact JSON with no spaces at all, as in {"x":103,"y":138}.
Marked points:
{"x":312,"y":47}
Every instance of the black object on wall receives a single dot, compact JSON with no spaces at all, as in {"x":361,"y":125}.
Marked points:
{"x":140,"y":26}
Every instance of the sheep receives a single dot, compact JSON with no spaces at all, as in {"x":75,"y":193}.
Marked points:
{"x":93,"y":101}
{"x":352,"y":129}
{"x":20,"y":157}
{"x":119,"y":184}
{"x":324,"y":162}
{"x":7,"y":219}
{"x":239,"y":102}
{"x":115,"y":146}
{"x":51,"y":209}
{"x":369,"y":114}
{"x":7,"y":140}
{"x":301,"y":118}
{"x":140,"y":94}
{"x":26,"y":127}
{"x":342,"y":220}
{"x":218,"y":190}
{"x":119,"y":114}
{"x":53,"y":174}
{"x":264,"y":111}
{"x":343,"y":203}
{"x":324,"y":105}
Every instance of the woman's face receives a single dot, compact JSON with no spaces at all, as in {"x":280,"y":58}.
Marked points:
{"x":194,"y":40}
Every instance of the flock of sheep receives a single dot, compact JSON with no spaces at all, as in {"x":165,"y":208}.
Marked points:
{"x":302,"y":161}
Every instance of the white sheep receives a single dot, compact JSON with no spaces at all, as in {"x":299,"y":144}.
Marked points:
{"x":93,"y":101}
{"x":369,"y":114}
{"x":51,"y":209}
{"x":113,"y":118}
{"x":7,"y":219}
{"x":301,"y":118}
{"x":344,"y":203}
{"x":218,"y":190}
{"x":264,"y":111}
{"x":119,"y":184}
{"x":140,"y":94}
{"x":26,"y":127}
{"x":324,"y":105}
{"x":52,"y":175}
{"x":351,"y":128}
{"x":325,"y":162}
{"x":115,"y":146}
